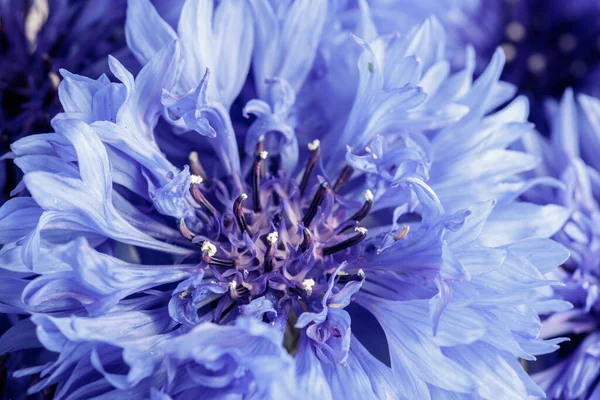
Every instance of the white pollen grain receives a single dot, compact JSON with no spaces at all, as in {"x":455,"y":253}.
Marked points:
{"x":196,"y":179}
{"x":273,"y":237}
{"x":307,"y":285}
{"x":361,"y":230}
{"x":209,"y":248}
{"x":312,"y":146}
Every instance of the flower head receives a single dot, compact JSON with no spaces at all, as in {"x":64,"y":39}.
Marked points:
{"x":159,"y":260}
{"x":569,"y":156}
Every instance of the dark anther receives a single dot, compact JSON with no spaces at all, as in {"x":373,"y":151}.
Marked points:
{"x":316,"y":202}
{"x":343,"y":178}
{"x":238,"y":291}
{"x":218,"y":262}
{"x":197,"y":169}
{"x":238,"y":211}
{"x":365,"y":209}
{"x":306,"y":241}
{"x":256,"y":168}
{"x":208,"y":256}
{"x":260,"y":147}
{"x":345,"y":278}
{"x":184,"y":230}
{"x":361,"y":233}
{"x":272,"y":239}
{"x":201,"y":200}
{"x":310,"y":166}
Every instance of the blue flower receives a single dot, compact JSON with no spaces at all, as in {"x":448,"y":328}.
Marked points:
{"x":159,"y":261}
{"x":569,"y":155}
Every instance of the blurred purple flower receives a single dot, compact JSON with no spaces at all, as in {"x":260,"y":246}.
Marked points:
{"x":571,"y":155}
{"x":37,"y":39}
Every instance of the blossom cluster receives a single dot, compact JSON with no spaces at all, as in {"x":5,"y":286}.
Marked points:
{"x":266,"y":199}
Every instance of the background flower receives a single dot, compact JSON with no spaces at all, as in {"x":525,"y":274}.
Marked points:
{"x":569,"y":155}
{"x":40,"y":37}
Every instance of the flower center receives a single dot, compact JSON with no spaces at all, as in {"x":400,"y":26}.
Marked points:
{"x":283,"y":238}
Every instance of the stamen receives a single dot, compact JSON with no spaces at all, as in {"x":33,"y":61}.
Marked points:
{"x":272,"y":239}
{"x":306,"y":241}
{"x":196,"y":167}
{"x":343,"y":178}
{"x":209,"y":248}
{"x":184,"y":230}
{"x":316,"y":202}
{"x":359,"y":237}
{"x":201,"y":200}
{"x":208,"y":252}
{"x":196,"y":179}
{"x":314,"y":145}
{"x":402,"y":234}
{"x":256,"y":168}
{"x":238,"y":211}
{"x":365,"y":209}
{"x":307,"y":285}
{"x":236,"y":291}
{"x":345,"y":277}
{"x":260,"y":147}
{"x":315,"y":148}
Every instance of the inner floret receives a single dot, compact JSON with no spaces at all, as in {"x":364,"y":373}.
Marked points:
{"x":282,"y":237}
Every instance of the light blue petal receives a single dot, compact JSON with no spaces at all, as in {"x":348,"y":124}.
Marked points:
{"x":287,"y":37}
{"x":309,"y":373}
{"x":407,"y":326}
{"x":146,"y":32}
{"x":98,"y":281}
{"x":512,"y":222}
{"x":18,"y":216}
